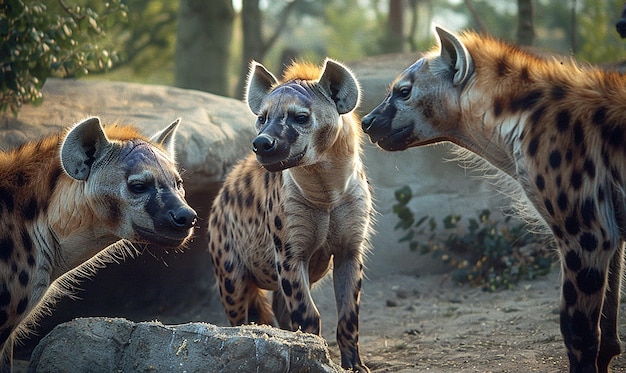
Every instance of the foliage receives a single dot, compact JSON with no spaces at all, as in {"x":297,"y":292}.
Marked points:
{"x":599,"y":42}
{"x":36,"y":43}
{"x":485,"y":253}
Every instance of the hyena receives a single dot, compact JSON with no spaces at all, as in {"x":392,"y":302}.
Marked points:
{"x":559,"y":130}
{"x":299,"y":202}
{"x":67,"y":197}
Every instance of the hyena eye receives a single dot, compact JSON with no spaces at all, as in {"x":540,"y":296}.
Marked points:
{"x":138,"y":187}
{"x":260,"y":119}
{"x":301,"y":118}
{"x":405,"y":92}
{"x":179,"y":184}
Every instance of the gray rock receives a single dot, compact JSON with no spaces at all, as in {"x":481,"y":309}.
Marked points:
{"x":118,"y":345}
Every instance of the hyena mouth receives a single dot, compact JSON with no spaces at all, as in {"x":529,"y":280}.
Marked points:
{"x":283,"y":164}
{"x":173,"y":238}
{"x":399,"y":139}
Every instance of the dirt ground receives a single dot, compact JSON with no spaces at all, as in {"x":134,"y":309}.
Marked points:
{"x":417,"y":324}
{"x":428,"y":323}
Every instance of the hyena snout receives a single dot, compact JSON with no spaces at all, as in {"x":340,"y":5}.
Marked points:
{"x":182,"y":218}
{"x":264,"y":145}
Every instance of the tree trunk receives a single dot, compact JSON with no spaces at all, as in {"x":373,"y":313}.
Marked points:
{"x":394,"y":42}
{"x":205,"y":31}
{"x":253,"y":42}
{"x":526,"y":22}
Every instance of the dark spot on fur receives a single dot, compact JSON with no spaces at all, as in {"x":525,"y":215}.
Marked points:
{"x":562,"y":120}
{"x":278,"y":243}
{"x":549,"y":206}
{"x":555,"y":159}
{"x":590,"y":280}
{"x":23,"y":278}
{"x":588,"y":212}
{"x":557,"y":231}
{"x":21,"y":306}
{"x":229,"y":266}
{"x":613,"y":135}
{"x":497,"y":108}
{"x":536,"y":116}
{"x":30,"y":211}
{"x":599,"y":116}
{"x":278,"y":223}
{"x":286,"y":285}
{"x":4,"y":317}
{"x":6,"y":248}
{"x":540,"y":182}
{"x":6,"y":199}
{"x":588,"y":241}
{"x":533,"y":146}
{"x":562,"y":201}
{"x":229,"y":286}
{"x":5,"y":296}
{"x":579,"y":133}
{"x":524,"y":74}
{"x":572,"y":225}
{"x":558,"y":92}
{"x":572,"y":261}
{"x":576,"y":180}
{"x":526,"y":101}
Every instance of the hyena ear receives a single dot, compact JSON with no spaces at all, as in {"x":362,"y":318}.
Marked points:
{"x":166,"y":138}
{"x":82,"y":145}
{"x":454,"y":53}
{"x":340,"y":85}
{"x":259,"y":83}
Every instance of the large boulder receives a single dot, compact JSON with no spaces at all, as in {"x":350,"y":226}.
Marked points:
{"x":118,"y":345}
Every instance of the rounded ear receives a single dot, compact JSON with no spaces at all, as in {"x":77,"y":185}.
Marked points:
{"x":259,"y":83}
{"x":454,"y":53}
{"x":166,"y":138}
{"x":82,"y":144}
{"x":340,"y":85}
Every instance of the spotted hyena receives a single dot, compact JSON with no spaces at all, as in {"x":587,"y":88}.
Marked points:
{"x":67,"y":197}
{"x":301,"y":201}
{"x":559,"y":130}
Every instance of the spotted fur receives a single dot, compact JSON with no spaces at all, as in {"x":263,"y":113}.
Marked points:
{"x":298,"y":205}
{"x":67,"y":197}
{"x":559,"y":130}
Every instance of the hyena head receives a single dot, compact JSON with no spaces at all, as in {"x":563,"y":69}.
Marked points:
{"x":422,"y":106}
{"x":131,"y":184}
{"x":298,"y":119}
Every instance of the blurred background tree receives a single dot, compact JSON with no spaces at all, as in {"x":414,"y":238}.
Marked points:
{"x":207,"y":45}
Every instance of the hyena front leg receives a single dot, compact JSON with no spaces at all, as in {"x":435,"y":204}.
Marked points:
{"x":583,"y":294}
{"x":347,"y":279}
{"x":610,"y":344}
{"x":298,"y":303}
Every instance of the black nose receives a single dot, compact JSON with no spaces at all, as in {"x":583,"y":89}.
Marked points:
{"x":366,"y":123}
{"x":263,"y":145}
{"x":183,"y":218}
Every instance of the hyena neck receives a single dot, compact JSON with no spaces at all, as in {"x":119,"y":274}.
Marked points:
{"x":70,"y":234}
{"x":326,"y":182}
{"x":494,"y":141}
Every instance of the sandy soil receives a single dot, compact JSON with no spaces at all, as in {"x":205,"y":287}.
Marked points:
{"x":411,"y":324}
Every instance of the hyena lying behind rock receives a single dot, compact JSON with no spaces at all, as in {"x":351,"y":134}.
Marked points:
{"x":67,"y":197}
{"x":303,"y":201}
{"x":559,"y":130}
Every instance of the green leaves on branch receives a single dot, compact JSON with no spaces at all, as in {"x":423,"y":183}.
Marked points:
{"x":480,"y":251}
{"x":40,"y":40}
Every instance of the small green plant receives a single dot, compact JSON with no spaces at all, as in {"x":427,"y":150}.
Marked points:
{"x":483,"y":252}
{"x":41,"y":38}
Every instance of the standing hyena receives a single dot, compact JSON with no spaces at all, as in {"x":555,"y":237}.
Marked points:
{"x":278,"y":227}
{"x":559,"y":130}
{"x":61,"y":205}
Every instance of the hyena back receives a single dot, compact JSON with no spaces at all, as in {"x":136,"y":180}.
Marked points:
{"x":558,"y":130}
{"x":298,"y":205}
{"x":69,"y":196}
